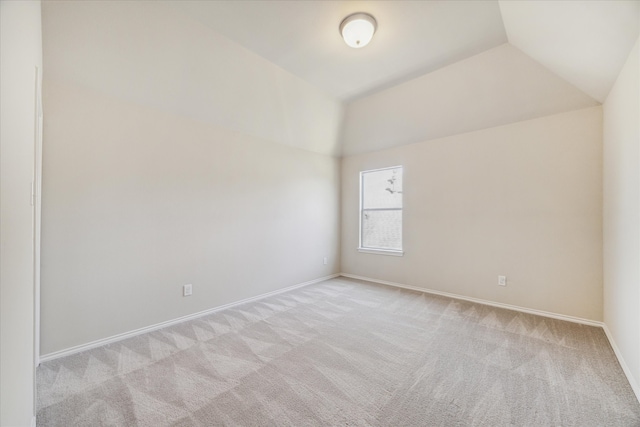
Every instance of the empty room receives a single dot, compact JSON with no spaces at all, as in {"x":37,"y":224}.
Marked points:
{"x":319,"y":213}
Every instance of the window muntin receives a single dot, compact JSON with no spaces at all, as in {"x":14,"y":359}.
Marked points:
{"x":381,"y":210}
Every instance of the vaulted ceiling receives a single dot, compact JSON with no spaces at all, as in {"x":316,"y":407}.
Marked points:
{"x":584,"y":42}
{"x":413,"y":37}
{"x":279,"y":70}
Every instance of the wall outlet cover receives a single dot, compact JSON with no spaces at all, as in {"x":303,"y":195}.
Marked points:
{"x":187,"y":290}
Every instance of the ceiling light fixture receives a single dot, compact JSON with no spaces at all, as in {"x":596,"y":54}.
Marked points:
{"x":357,"y":29}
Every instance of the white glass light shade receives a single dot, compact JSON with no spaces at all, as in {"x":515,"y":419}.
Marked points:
{"x":357,"y":29}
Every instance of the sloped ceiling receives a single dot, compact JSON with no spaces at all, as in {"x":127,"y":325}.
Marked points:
{"x":438,"y":68}
{"x":142,"y":52}
{"x":493,"y":88}
{"x":584,"y":42}
{"x":413,"y":37}
{"x":280,"y":71}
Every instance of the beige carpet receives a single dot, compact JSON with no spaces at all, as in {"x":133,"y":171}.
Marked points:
{"x":346,"y":353}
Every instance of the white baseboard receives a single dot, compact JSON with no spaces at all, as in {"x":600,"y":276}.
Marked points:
{"x":77,"y":349}
{"x":623,"y":364}
{"x":616,"y":350}
{"x":125,"y":335}
{"x":481,"y":301}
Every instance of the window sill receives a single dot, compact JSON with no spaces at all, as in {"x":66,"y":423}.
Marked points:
{"x":381,"y":251}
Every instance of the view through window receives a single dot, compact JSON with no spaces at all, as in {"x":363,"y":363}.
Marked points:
{"x":381,"y":209}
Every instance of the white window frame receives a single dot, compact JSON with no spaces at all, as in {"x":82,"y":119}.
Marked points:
{"x":380,"y":251}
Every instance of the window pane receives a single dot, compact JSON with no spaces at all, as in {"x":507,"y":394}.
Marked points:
{"x":382,"y":229}
{"x":382,"y":189}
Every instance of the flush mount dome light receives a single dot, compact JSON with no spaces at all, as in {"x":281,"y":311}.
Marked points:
{"x":357,"y":29}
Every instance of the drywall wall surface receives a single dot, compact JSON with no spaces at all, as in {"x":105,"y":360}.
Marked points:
{"x":496,"y":87}
{"x":148,"y":53}
{"x":20,"y":54}
{"x":621,"y":112}
{"x":522,"y":200}
{"x":138,"y":202}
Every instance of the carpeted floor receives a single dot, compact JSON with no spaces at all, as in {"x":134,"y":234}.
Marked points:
{"x":346,"y":353}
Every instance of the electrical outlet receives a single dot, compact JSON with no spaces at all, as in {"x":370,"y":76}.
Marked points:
{"x":187,"y":290}
{"x":502,"y":280}
{"x":324,"y":260}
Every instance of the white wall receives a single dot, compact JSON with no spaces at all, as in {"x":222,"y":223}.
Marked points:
{"x":174,"y":155}
{"x":522,"y":200}
{"x":622,"y":214}
{"x":138,"y":202}
{"x":20,"y":54}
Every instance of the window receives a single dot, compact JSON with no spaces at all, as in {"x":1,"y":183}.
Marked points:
{"x":381,"y":211}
